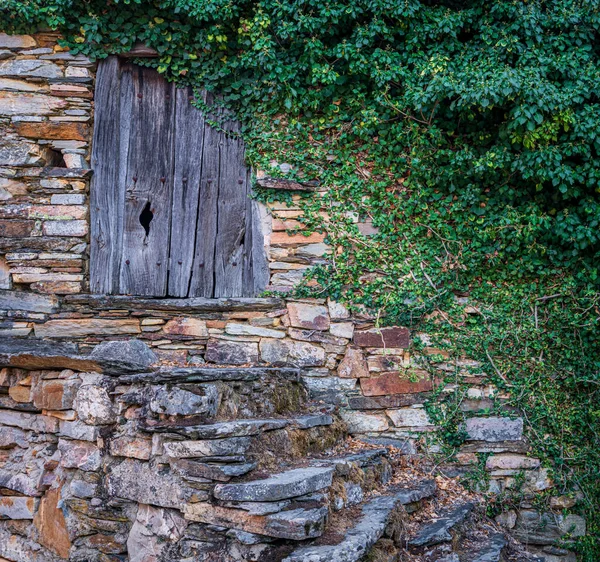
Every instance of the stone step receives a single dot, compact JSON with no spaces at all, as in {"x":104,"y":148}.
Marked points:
{"x":293,"y":503}
{"x":374,"y":517}
{"x":289,"y":484}
{"x":210,"y":374}
{"x":439,"y":531}
{"x":489,"y":551}
{"x":237,"y":428}
{"x":225,"y":450}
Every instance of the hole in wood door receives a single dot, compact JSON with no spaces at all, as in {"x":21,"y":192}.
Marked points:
{"x":146,"y":218}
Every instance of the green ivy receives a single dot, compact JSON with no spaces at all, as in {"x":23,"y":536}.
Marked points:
{"x":467,"y":132}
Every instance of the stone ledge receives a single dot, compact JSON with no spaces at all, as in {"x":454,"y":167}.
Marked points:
{"x":194,"y":304}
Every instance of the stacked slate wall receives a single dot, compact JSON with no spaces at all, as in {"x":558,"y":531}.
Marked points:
{"x":50,"y":440}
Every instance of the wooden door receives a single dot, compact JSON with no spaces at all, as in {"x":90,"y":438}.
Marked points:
{"x":170,"y":195}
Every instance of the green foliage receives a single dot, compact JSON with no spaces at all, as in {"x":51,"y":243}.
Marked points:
{"x":467,"y":132}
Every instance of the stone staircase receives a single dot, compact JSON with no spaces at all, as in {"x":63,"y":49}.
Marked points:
{"x":215,"y":464}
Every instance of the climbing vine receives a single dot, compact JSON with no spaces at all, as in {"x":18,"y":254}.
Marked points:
{"x":465,"y":133}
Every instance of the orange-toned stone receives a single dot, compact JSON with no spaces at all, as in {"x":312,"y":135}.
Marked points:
{"x":397,"y":383}
{"x":20,"y":393}
{"x":186,"y":327}
{"x":395,"y":336}
{"x":51,"y":524}
{"x":353,"y":365}
{"x":57,"y":287}
{"x":53,"y":130}
{"x":283,"y":239}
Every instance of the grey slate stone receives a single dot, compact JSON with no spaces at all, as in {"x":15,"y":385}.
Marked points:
{"x":180,"y":402}
{"x":369,"y":529}
{"x":494,"y":429}
{"x":312,"y":420}
{"x":297,"y":524}
{"x":235,"y":428}
{"x":207,"y":448}
{"x":438,"y":531}
{"x":491,"y":551}
{"x":142,"y":483}
{"x":130,"y":355}
{"x":292,"y":483}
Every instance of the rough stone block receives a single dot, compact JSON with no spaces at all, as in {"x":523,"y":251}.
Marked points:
{"x":409,"y":417}
{"x":57,"y":212}
{"x":153,"y":531}
{"x":76,"y":228}
{"x":308,"y":316}
{"x":139,"y":482}
{"x":131,"y":447}
{"x":284,"y":239}
{"x":16,"y":41}
{"x":186,"y":327}
{"x":17,"y":507}
{"x":358,"y":422}
{"x":224,"y":352}
{"x":353,"y":365}
{"x":511,"y":462}
{"x":93,"y":405}
{"x":79,"y":454}
{"x":19,"y":103}
{"x":232,"y":446}
{"x":298,"y":524}
{"x":289,"y":484}
{"x":396,"y":383}
{"x":337,"y":311}
{"x":236,"y":329}
{"x":286,"y":352}
{"x":31,"y":422}
{"x":179,"y":402}
{"x":494,"y":429}
{"x":53,"y":130}
{"x":383,"y":337}
{"x":129,"y":355}
{"x":57,"y":394}
{"x":342,"y":329}
{"x":86,"y":327}
{"x":67,"y":199}
{"x":30,"y":68}
{"x":15,"y":228}
{"x":51,"y":525}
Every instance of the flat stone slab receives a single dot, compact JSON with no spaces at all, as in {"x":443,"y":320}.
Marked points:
{"x":370,"y":527}
{"x":312,"y":420}
{"x":130,"y":355}
{"x":209,"y":374}
{"x":235,"y":428}
{"x":494,"y":429}
{"x":296,"y":524}
{"x":195,"y":304}
{"x":437,"y":532}
{"x":290,"y":484}
{"x":232,"y":446}
{"x":491,"y":551}
{"x":40,"y":354}
{"x":212,"y":471}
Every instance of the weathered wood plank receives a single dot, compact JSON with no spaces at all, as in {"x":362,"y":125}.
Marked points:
{"x":187,"y":176}
{"x":203,"y":278}
{"x":256,"y":267}
{"x":231,"y":215}
{"x":106,"y":193}
{"x":149,"y":181}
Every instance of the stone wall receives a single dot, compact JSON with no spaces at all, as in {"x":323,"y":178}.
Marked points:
{"x":70,"y":415}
